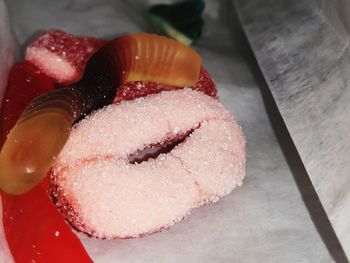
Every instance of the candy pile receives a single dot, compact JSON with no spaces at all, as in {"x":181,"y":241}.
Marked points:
{"x":101,"y":72}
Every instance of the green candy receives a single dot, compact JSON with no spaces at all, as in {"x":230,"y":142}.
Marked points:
{"x":180,"y":21}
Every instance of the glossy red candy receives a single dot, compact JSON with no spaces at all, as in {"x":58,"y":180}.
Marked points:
{"x":37,"y":232}
{"x":16,"y":97}
{"x":34,"y":228}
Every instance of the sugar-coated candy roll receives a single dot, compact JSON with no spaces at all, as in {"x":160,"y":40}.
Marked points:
{"x":105,"y":193}
{"x":62,"y":56}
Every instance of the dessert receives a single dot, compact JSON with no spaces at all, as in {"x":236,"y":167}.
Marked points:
{"x":62,"y":56}
{"x":25,"y":83}
{"x":209,"y":155}
{"x":135,"y":89}
{"x":34,"y":228}
{"x":46,"y":122}
{"x":106,"y":195}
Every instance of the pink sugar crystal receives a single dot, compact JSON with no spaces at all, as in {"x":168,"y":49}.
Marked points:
{"x":62,"y":56}
{"x":206,"y":84}
{"x":106,"y":196}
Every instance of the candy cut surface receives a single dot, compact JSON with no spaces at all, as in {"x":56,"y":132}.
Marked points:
{"x":62,"y":56}
{"x":151,"y":195}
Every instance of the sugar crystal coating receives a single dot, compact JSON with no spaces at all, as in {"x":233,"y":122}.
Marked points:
{"x":104,"y":195}
{"x":62,"y":56}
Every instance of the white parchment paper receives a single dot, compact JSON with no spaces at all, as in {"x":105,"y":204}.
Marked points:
{"x":265,"y":220}
{"x":302,"y":48}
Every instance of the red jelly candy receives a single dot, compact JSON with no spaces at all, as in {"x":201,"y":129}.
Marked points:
{"x":34,"y":228}
{"x":25,"y":82}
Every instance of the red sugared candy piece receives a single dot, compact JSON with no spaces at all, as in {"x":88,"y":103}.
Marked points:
{"x":135,"y":89}
{"x":206,"y":84}
{"x":62,"y":56}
